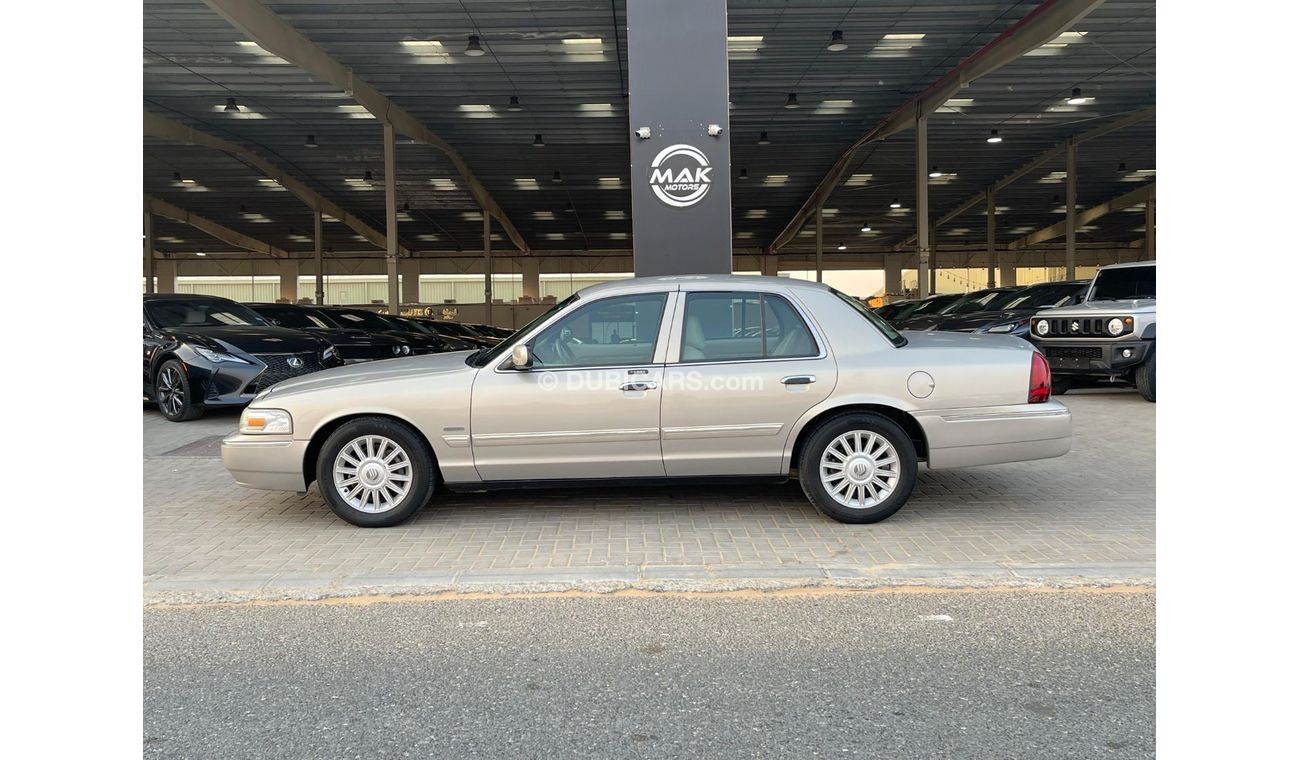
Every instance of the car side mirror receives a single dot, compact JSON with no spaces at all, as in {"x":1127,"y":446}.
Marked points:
{"x":519,"y":357}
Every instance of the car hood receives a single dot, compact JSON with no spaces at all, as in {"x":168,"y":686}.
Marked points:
{"x":356,"y":338}
{"x":964,"y":340}
{"x":983,"y":318}
{"x":373,"y":372}
{"x":1098,"y":308}
{"x":250,"y":339}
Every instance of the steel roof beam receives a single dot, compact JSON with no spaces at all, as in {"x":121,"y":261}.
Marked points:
{"x":203,"y":224}
{"x":159,"y":126}
{"x":1042,"y":158}
{"x":1131,"y":198}
{"x":1039,"y":26}
{"x":277,"y":36}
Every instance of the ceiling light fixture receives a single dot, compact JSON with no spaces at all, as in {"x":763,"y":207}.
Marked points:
{"x":568,"y":208}
{"x":231,"y":106}
{"x":369,"y":177}
{"x":311,"y":142}
{"x":200,"y":253}
{"x":473,"y":49}
{"x":514,"y":104}
{"x":762,"y":139}
{"x":896,"y":204}
{"x":866,"y":227}
{"x":934,"y":172}
{"x":993,"y":136}
{"x":841,"y":247}
{"x":744,"y":174}
{"x":538,"y":142}
{"x":837,"y":43}
{"x":792,"y":100}
{"x":556,"y":178}
{"x":1076,"y":97}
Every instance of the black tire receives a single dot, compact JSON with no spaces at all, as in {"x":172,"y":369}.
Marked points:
{"x":423,"y":473}
{"x":1060,"y":385}
{"x":171,"y":391}
{"x":825,"y":434}
{"x":1145,"y":377}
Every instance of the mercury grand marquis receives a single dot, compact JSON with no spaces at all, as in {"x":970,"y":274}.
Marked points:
{"x":654,"y":380}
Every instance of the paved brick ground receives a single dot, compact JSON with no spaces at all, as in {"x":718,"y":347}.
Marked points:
{"x":1089,"y":515}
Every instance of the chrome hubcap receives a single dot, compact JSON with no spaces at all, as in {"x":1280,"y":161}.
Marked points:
{"x":860,"y":469}
{"x":171,"y":394}
{"x":372,"y":474}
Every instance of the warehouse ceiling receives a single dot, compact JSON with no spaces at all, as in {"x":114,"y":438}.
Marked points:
{"x":566,"y":62}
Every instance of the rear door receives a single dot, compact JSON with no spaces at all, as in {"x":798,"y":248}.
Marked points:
{"x":742,"y":368}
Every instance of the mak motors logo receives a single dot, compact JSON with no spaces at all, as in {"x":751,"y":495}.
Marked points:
{"x":679,"y":175}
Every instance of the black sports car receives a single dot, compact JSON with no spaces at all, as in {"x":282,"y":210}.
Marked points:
{"x":966,"y":303}
{"x":362,"y":319}
{"x":928,"y":305}
{"x":458,"y":331}
{"x":204,"y":351}
{"x":452,"y":342}
{"x":354,"y":345}
{"x":1011,"y":316}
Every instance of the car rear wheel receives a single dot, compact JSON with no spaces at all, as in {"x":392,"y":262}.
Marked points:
{"x":375,"y":472}
{"x":171,"y":391}
{"x":858,"y":468}
{"x":1145,"y":377}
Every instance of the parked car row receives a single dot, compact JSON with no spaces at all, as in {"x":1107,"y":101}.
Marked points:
{"x":1099,"y":331}
{"x":204,"y":351}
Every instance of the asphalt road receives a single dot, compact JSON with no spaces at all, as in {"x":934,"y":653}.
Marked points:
{"x":1009,"y":675}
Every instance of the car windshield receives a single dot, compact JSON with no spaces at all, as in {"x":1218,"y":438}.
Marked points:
{"x":361,"y":319}
{"x":889,"y":332}
{"x":201,"y":313}
{"x":454,"y":328}
{"x":1043,"y":296}
{"x":980,"y":300}
{"x":288,"y":316}
{"x":932,"y":305}
{"x":1123,"y":283}
{"x":483,"y":356}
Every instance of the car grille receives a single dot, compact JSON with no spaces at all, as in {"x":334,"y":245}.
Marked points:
{"x":1073,"y":352}
{"x":355,"y":353}
{"x":1078,"y":327}
{"x":277,"y":369}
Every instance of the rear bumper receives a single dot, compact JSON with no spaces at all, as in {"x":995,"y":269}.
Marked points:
{"x":995,"y":435}
{"x":256,"y":462}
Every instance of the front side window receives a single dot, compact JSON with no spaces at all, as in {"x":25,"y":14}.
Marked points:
{"x":739,"y":326}
{"x":606,"y":333}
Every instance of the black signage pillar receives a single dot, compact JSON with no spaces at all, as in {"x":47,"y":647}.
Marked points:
{"x":681,"y":142}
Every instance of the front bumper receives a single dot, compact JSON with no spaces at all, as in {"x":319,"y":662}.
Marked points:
{"x":995,"y":435}
{"x":1093,"y":357}
{"x":273,"y":463}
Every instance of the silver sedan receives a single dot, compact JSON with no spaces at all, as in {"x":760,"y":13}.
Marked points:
{"x":654,"y":380}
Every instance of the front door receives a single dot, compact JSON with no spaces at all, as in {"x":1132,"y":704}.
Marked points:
{"x":589,"y":406}
{"x":743,"y":368}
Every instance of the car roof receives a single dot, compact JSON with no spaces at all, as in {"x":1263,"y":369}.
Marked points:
{"x":185,"y":297}
{"x":696,"y":281}
{"x":1128,"y":264}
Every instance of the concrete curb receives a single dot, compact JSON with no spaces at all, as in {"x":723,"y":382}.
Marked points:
{"x":195,"y":589}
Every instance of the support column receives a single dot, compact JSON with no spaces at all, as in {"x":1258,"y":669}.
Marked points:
{"x":320,"y":258}
{"x":1007,"y":273}
{"x":390,"y":202}
{"x":893,"y":274}
{"x":934,"y":263}
{"x":1150,"y":242}
{"x":923,"y":286}
{"x":531,"y":269}
{"x":991,"y":235}
{"x":287,"y":269}
{"x":769,"y":264}
{"x":487,"y":267}
{"x":818,"y":217}
{"x":1071,"y":200}
{"x":165,"y":270}
{"x":148,"y":253}
{"x":410,"y":271}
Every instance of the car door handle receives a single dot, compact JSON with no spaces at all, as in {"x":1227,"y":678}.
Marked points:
{"x":639,"y":385}
{"x":799,"y":380}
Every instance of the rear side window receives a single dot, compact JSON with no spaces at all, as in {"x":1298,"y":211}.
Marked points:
{"x":894,"y":336}
{"x":743,"y":326}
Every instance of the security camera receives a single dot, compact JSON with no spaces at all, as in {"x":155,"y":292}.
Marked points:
{"x":715,"y":130}
{"x":643,"y":133}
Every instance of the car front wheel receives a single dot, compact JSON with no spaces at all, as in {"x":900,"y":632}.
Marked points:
{"x":1145,"y":377}
{"x":858,"y":468}
{"x":171,"y":390}
{"x":375,"y":472}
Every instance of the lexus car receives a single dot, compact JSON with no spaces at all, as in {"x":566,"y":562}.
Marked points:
{"x":928,"y":305}
{"x":1009,"y":315}
{"x":362,"y":319}
{"x":353,"y":345}
{"x":459,"y":331}
{"x":202,"y":352}
{"x":966,"y":303}
{"x":661,"y":379}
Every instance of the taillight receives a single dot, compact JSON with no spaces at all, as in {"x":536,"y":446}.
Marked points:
{"x":1040,"y":379}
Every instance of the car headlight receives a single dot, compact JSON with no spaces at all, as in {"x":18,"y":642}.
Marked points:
{"x":219,"y":357}
{"x":1042,"y":327}
{"x":265,"y":422}
{"x":329,"y":354}
{"x":1008,"y":327}
{"x":1115,"y":326}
